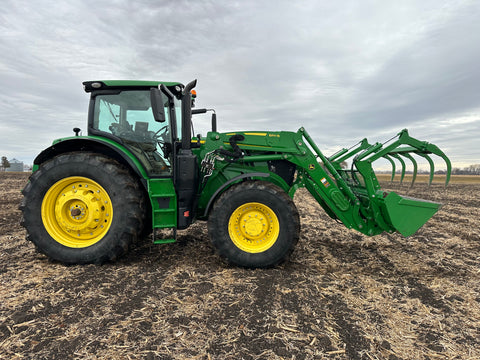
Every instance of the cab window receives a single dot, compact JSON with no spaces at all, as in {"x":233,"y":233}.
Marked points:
{"x":128,"y":116}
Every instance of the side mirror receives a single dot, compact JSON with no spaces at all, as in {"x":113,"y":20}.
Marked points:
{"x":158,"y":100}
{"x":214,"y":116}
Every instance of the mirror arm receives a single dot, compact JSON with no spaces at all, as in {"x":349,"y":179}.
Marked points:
{"x":167,"y":92}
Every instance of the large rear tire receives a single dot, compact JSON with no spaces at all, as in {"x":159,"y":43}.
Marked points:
{"x":254,"y":224}
{"x":82,"y":208}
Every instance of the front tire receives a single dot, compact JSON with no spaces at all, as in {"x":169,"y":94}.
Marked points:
{"x":254,"y":224}
{"x":81,"y":208}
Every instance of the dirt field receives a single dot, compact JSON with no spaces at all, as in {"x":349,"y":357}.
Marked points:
{"x":342,"y":295}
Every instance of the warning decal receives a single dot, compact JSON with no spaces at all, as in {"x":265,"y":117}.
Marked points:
{"x":325,"y":182}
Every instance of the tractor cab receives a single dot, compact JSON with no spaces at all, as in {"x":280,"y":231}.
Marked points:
{"x":125,"y":112}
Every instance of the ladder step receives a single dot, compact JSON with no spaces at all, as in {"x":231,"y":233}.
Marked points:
{"x":165,"y":211}
{"x":164,"y":241}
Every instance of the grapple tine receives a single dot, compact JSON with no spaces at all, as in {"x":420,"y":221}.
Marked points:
{"x":428,"y":148}
{"x":417,"y":146}
{"x":393,"y":166}
{"x":449,"y":169}
{"x":435,"y":150}
{"x":403,"y":166}
{"x":415,"y":167}
{"x":440,"y":153}
{"x":432,"y":166}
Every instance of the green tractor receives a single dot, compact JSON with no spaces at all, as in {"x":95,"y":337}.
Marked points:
{"x":139,"y":169}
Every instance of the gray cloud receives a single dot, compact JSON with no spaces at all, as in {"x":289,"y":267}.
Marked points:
{"x":344,"y":70}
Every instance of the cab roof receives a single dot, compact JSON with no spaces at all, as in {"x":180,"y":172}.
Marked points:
{"x":90,"y":86}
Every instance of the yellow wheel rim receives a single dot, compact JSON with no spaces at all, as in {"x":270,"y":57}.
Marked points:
{"x":77,"y":212}
{"x":253,"y":227}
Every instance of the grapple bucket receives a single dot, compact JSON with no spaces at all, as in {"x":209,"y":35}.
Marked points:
{"x":389,"y":211}
{"x":403,"y":146}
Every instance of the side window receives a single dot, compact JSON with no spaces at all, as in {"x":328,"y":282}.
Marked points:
{"x":106,"y":113}
{"x":128,"y":115}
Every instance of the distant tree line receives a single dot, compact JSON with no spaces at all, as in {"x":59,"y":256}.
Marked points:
{"x":469,"y":170}
{"x":5,"y":163}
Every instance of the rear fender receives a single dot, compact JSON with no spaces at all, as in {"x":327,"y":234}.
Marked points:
{"x":97,"y":145}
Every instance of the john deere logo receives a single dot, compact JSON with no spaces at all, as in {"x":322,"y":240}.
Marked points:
{"x":311,"y":166}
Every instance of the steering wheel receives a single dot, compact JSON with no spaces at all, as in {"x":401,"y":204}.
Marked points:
{"x":161,"y":136}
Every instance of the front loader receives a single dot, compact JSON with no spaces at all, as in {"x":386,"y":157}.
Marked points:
{"x":139,"y":170}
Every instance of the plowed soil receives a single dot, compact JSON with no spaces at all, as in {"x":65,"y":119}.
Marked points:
{"x":342,"y":295}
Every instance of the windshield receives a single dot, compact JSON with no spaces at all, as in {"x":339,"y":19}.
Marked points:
{"x":128,"y":115}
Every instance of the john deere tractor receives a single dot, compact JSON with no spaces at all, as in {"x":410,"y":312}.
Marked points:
{"x":139,"y":170}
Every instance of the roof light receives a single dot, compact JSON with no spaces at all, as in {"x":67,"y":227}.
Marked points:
{"x":96,"y":85}
{"x":194,"y":93}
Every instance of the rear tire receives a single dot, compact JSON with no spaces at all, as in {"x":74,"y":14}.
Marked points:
{"x":81,"y":208}
{"x":254,"y":224}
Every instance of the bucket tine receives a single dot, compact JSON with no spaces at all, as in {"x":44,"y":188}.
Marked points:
{"x":432,"y":166}
{"x":393,"y":166}
{"x":410,"y":157}
{"x":403,"y":165}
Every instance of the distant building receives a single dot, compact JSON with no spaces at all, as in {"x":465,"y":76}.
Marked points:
{"x":15,"y":165}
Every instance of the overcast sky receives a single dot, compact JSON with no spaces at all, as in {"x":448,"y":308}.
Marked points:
{"x":342,"y":69}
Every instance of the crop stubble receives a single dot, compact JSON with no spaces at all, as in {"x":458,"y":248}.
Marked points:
{"x":342,"y":295}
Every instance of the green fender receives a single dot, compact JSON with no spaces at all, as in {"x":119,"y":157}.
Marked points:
{"x":265,"y":176}
{"x":94,"y":144}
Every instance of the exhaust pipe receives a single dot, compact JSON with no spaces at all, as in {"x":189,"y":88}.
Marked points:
{"x":187,"y":115}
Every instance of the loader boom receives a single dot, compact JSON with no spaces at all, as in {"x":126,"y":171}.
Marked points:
{"x":352,"y":196}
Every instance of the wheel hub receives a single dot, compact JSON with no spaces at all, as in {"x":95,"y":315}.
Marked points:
{"x":254,"y":224}
{"x":77,"y":212}
{"x":253,"y":227}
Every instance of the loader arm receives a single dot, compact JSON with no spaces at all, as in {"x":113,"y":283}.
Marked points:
{"x":353,"y":196}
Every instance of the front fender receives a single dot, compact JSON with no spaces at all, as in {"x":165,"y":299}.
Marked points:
{"x":211,"y":195}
